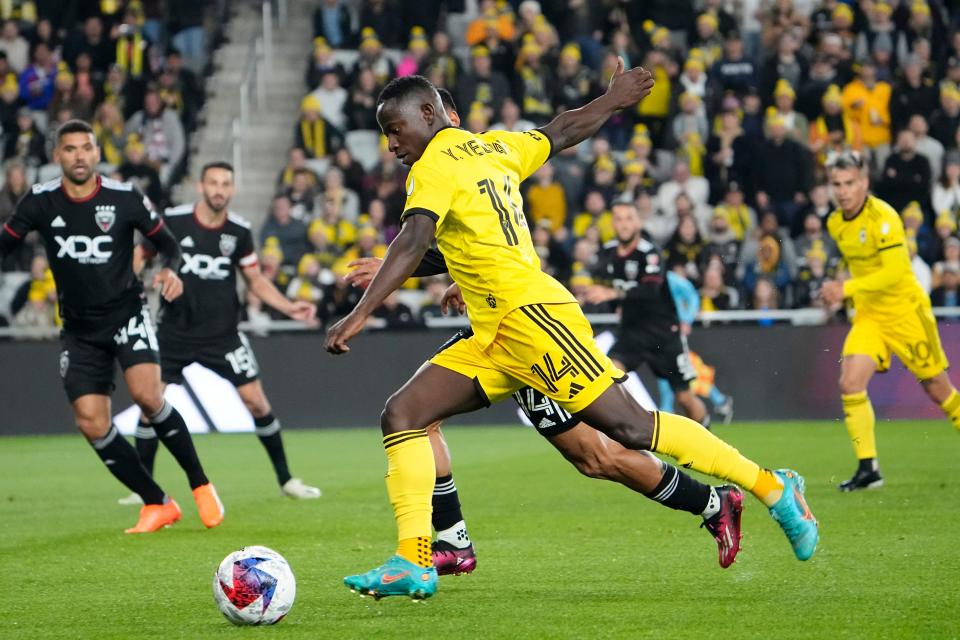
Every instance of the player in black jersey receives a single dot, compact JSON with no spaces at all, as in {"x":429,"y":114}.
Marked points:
{"x":201,"y":325}
{"x":635,"y":278}
{"x":590,"y":451}
{"x":87,"y":224}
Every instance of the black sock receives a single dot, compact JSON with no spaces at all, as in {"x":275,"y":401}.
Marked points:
{"x":122,"y":461}
{"x":172,"y":432}
{"x":868,"y":465}
{"x":268,"y":431}
{"x":446,"y":504}
{"x":679,"y":491}
{"x":146,"y":443}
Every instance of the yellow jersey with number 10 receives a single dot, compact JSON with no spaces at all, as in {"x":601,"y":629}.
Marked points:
{"x":862,"y":240}
{"x":470,"y":185}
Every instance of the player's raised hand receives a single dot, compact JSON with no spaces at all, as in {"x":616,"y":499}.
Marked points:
{"x":169,"y":283}
{"x":363,"y":271}
{"x":453,"y":299}
{"x":627,"y":88}
{"x":342,"y":331}
{"x":832,"y":292}
{"x":303,"y":311}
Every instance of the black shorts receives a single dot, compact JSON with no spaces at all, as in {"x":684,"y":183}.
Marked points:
{"x":229,"y":356}
{"x":666,"y":354}
{"x":86,"y":358}
{"x":549,"y":418}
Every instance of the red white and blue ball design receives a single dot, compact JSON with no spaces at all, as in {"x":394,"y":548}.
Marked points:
{"x":254,"y":586}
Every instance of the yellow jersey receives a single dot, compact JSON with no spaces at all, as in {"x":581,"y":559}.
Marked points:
{"x":470,"y":185}
{"x":873,"y":245}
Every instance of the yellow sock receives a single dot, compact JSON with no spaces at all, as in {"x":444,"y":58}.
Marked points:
{"x":696,"y":448}
{"x":416,"y":550}
{"x":859,"y":418}
{"x":410,"y":479}
{"x":951,"y":407}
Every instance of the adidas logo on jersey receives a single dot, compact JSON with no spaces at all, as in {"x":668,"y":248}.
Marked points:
{"x":546,"y":423}
{"x":58,"y":222}
{"x":187,"y":242}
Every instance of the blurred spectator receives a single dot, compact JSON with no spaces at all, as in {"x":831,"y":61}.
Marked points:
{"x":695,"y":187}
{"x":384,"y":19}
{"x":436,"y":286}
{"x":307,"y":283}
{"x":881,"y":36}
{"x":783,"y":173}
{"x":510,"y":119}
{"x":290,"y":234}
{"x":913,"y":94}
{"x":715,"y":294}
{"x":321,"y":61}
{"x":296,"y":160}
{"x":92,"y":41}
{"x":575,"y":81}
{"x":371,"y":56}
{"x":950,"y":261}
{"x":26,"y":144}
{"x":490,"y":18}
{"x":722,"y":246}
{"x":534,"y":85}
{"x":741,"y":219}
{"x":36,"y":80}
{"x":65,"y":96}
{"x":765,"y":297}
{"x":944,"y":228}
{"x":482,"y":83}
{"x":15,"y":185}
{"x":730,"y":154}
{"x":596,"y":215}
{"x":56,"y":119}
{"x":823,"y":74}
{"x":162,"y":134}
{"x":832,"y":131}
{"x":946,"y":191}
{"x":784,"y":98}
{"x":443,"y":67}
{"x":947,"y":293}
{"x":866,"y":103}
{"x":338,"y":198}
{"x":34,"y":305}
{"x":302,"y":193}
{"x":546,"y":199}
{"x":689,"y":120}
{"x":188,"y":36}
{"x":810,"y":278}
{"x":108,"y":127}
{"x":928,"y":147}
{"x":315,"y":134}
{"x":351,"y":169}
{"x":131,"y":45}
{"x":180,"y":89}
{"x":786,"y":64}
{"x":136,"y":169}
{"x":14,"y":45}
{"x":916,"y":230}
{"x":945,"y":120}
{"x":653,"y":110}
{"x":415,"y":59}
{"x":395,"y":314}
{"x":906,"y":174}
{"x":684,"y":248}
{"x":331,"y":21}
{"x":362,"y":104}
{"x":332,"y":98}
{"x":734,"y":71}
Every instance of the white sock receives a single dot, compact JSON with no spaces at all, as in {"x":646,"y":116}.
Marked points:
{"x":713,"y":505}
{"x":455,"y":535}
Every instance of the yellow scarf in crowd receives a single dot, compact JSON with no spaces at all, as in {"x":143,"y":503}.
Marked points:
{"x":130,"y":54}
{"x":314,"y":137}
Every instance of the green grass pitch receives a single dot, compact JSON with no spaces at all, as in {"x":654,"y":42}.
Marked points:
{"x":560,"y":556}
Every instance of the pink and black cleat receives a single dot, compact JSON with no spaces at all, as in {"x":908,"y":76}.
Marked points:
{"x":724,"y":525}
{"x":449,"y":560}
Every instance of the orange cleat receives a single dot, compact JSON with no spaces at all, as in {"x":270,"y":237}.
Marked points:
{"x":209,"y":505}
{"x":154,"y":517}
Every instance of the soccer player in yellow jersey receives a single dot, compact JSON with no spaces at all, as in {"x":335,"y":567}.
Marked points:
{"x":892,"y":312}
{"x":463,"y":191}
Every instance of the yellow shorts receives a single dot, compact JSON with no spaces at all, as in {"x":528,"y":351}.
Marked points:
{"x":548,"y":347}
{"x":913,"y":337}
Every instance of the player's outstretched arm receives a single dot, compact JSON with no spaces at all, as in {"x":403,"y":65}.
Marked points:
{"x":260,"y":286}
{"x":404,"y":255}
{"x":626,"y":89}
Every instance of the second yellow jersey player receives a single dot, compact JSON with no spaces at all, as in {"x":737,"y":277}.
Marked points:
{"x":891,"y":313}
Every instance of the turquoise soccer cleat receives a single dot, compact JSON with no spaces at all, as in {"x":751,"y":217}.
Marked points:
{"x":395,"y":577}
{"x":794,"y":516}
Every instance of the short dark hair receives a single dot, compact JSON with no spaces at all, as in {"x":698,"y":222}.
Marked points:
{"x":400,"y":88}
{"x":846,"y":160}
{"x":217,"y":164}
{"x":447,"y":99}
{"x":73,"y":126}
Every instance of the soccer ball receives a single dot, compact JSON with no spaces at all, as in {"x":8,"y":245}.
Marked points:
{"x":254,"y":586}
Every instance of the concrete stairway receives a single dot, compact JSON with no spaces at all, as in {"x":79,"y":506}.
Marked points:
{"x":268,"y":133}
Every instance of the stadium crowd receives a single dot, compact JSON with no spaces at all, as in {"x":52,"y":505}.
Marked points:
{"x":725,"y":159}
{"x":133,"y":69}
